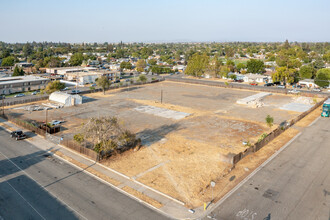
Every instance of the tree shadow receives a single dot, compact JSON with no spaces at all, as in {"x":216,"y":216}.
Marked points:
{"x":16,"y":164}
{"x":151,"y":136}
{"x":23,"y":198}
{"x":86,"y":99}
{"x":128,"y":89}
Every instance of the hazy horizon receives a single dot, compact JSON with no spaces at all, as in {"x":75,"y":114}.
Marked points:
{"x":165,"y":22}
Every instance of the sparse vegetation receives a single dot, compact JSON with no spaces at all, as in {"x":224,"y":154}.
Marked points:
{"x":79,"y":138}
{"x":107,"y":136}
{"x":263,"y":136}
{"x":143,"y":78}
{"x":269,"y":121}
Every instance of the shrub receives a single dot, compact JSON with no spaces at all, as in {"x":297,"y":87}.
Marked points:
{"x":263,"y":136}
{"x":269,"y":121}
{"x":79,"y":138}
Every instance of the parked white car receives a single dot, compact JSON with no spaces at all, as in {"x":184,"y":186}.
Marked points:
{"x":293,"y":91}
{"x":55,"y":122}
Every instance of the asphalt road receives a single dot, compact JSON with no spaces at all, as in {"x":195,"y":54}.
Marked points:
{"x":35,"y":185}
{"x":294,"y":185}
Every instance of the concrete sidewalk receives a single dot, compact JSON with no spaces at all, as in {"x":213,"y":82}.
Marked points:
{"x":170,"y":206}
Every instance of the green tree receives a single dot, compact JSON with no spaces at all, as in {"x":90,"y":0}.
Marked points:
{"x":224,"y":70}
{"x":54,"y":86}
{"x":140,"y":65}
{"x":143,"y":78}
{"x":76,"y":59}
{"x":214,"y":66}
{"x":306,"y":72}
{"x":231,"y":65}
{"x":18,"y":71}
{"x":322,"y":77}
{"x":326,"y":57}
{"x":284,"y":74}
{"x":286,"y":44}
{"x":240,"y":66}
{"x":318,"y":64}
{"x":160,"y":69}
{"x":103,"y":82}
{"x":152,"y":62}
{"x":255,"y":66}
{"x":197,"y":65}
{"x":229,"y":51}
{"x":282,"y":59}
{"x":8,"y":61}
{"x":52,"y":62}
{"x":269,"y":121}
{"x":27,"y":50}
{"x":4,"y":53}
{"x":125,"y":65}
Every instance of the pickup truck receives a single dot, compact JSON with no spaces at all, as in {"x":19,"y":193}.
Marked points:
{"x":18,"y":135}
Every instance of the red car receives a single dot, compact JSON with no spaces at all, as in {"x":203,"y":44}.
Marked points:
{"x":253,"y":84}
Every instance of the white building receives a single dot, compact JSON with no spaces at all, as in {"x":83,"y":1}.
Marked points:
{"x":89,"y":77}
{"x":257,"y":78}
{"x":63,"y":70}
{"x":114,"y":67}
{"x":180,"y":68}
{"x":65,"y":99}
{"x":309,"y":83}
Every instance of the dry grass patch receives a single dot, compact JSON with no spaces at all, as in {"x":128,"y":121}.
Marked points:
{"x":143,"y":197}
{"x":309,"y":118}
{"x":244,"y":167}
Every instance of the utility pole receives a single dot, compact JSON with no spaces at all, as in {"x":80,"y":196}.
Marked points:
{"x":46,"y":122}
{"x":3,"y":105}
{"x":161,"y":96}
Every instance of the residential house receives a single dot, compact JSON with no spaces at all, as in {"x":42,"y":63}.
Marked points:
{"x":309,"y":83}
{"x":257,"y":78}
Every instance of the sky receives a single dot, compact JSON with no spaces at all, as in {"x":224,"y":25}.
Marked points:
{"x":152,"y":21}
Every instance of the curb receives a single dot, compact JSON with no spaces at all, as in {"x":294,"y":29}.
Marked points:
{"x":227,"y":195}
{"x":128,"y":178}
{"x":105,"y":182}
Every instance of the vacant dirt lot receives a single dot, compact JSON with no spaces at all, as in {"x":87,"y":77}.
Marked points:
{"x":180,"y":157}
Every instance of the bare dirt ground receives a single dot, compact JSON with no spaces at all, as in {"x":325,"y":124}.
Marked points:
{"x":179,"y":157}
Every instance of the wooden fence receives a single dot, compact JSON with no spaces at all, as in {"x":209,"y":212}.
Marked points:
{"x":80,"y":149}
{"x":23,"y":122}
{"x":272,"y":135}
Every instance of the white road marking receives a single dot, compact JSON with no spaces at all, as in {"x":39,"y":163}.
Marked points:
{"x":41,"y":186}
{"x":251,"y":175}
{"x":25,"y":200}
